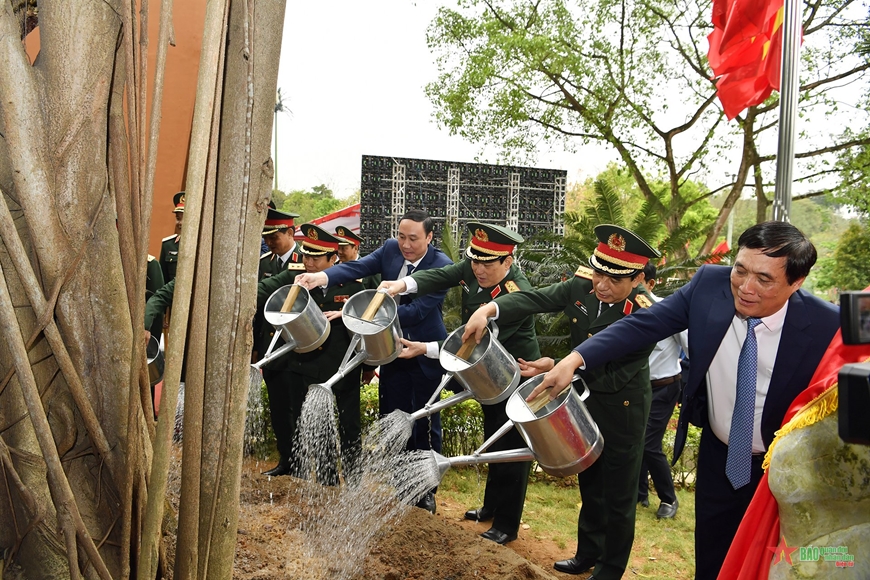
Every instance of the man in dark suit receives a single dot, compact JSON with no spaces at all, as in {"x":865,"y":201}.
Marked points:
{"x":739,"y":404}
{"x":488,"y":271}
{"x":405,"y":384}
{"x":620,"y":396}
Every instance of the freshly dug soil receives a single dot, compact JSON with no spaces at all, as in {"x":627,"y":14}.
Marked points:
{"x":417,"y":546}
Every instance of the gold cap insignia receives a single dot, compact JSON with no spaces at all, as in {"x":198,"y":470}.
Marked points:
{"x":312,"y":233}
{"x":481,"y":235}
{"x":341,"y":231}
{"x":616,"y":242}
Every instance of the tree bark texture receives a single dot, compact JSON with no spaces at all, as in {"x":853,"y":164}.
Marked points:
{"x":76,"y":430}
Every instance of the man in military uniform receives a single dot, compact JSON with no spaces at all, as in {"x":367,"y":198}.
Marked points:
{"x":487,"y":272}
{"x":620,"y":390}
{"x":319,"y":252}
{"x":153,"y":283}
{"x":278,"y":232}
{"x":348,"y":251}
{"x":169,"y":247}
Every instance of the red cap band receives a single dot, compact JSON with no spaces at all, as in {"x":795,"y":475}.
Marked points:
{"x":626,"y":259}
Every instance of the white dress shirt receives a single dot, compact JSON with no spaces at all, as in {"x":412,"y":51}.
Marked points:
{"x":722,"y":374}
{"x":664,"y":361}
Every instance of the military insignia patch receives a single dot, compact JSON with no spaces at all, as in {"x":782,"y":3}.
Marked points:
{"x":582,"y":307}
{"x":642,"y":301}
{"x":342,"y":298}
{"x":481,"y":235}
{"x":495,"y":291}
{"x":295,"y":266}
{"x":629,"y":306}
{"x":511,"y":286}
{"x":464,"y":286}
{"x":616,"y":242}
{"x":312,"y":233}
{"x":584,"y":272}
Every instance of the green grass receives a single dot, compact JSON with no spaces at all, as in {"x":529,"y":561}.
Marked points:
{"x":662,"y":550}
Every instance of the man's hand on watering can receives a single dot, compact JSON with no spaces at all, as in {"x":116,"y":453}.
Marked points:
{"x":147,"y":337}
{"x":393,"y":287}
{"x":558,"y":378}
{"x":535,"y":367}
{"x":412,"y":348}
{"x":332,"y":314}
{"x":478,"y":321}
{"x":312,"y":280}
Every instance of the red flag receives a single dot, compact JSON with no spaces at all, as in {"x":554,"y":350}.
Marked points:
{"x":745,"y":51}
{"x":718,"y":252}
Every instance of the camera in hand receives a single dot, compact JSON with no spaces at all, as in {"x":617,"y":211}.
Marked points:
{"x":854,"y":379}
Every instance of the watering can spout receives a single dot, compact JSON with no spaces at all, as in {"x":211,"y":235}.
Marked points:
{"x":442,"y":463}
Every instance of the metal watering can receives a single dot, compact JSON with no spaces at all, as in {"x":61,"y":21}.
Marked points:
{"x":154,"y":355}
{"x":560,"y":434}
{"x":372,"y":316}
{"x":486,"y":370}
{"x":297,"y":319}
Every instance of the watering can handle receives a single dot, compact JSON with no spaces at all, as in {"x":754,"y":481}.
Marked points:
{"x":291,"y":298}
{"x":494,"y":330}
{"x":374,"y":305}
{"x":584,"y":394}
{"x":543,"y":398}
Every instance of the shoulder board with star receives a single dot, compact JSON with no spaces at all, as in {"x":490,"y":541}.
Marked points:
{"x":169,"y":237}
{"x":584,"y":272}
{"x":151,"y":258}
{"x":511,"y":286}
{"x":643,"y":301}
{"x":266,"y":255}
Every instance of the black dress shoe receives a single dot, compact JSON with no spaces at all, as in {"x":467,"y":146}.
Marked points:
{"x":498,"y":536}
{"x":644,"y":502}
{"x":667,"y":510}
{"x":575,"y":565}
{"x":427,"y":502}
{"x":283,"y":468}
{"x":484,"y":514}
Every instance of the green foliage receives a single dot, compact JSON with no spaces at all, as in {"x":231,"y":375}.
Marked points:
{"x":310,"y":205}
{"x":684,"y":471}
{"x":452,"y":307}
{"x":849,"y":267}
{"x":633,"y":75}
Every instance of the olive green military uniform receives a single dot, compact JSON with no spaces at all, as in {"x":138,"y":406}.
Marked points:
{"x":619,"y":403}
{"x":506,"y":482}
{"x":276,"y":373}
{"x":320,"y":365}
{"x":169,"y":257}
{"x":153,"y":283}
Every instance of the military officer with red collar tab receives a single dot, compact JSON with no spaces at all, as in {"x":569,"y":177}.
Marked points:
{"x":278,"y":232}
{"x":319,"y":252}
{"x":348,"y":251}
{"x":169,"y":246}
{"x":620,"y":390}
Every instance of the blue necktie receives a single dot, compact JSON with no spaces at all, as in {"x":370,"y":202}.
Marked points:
{"x":405,"y":299}
{"x":738,"y":465}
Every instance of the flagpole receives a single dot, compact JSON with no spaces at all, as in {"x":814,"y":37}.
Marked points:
{"x":788,"y":104}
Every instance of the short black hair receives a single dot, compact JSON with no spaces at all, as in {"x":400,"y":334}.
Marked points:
{"x":419,"y":216}
{"x":649,"y":271}
{"x":781,"y":239}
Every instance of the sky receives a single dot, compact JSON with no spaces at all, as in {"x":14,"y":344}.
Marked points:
{"x":352,"y":77}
